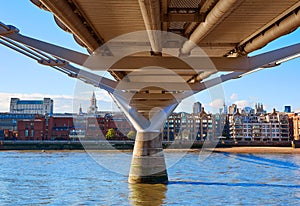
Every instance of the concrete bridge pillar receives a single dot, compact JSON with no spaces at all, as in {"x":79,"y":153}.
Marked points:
{"x":148,"y":162}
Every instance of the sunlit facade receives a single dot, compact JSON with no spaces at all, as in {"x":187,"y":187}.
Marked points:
{"x":44,"y":106}
{"x":259,"y":127}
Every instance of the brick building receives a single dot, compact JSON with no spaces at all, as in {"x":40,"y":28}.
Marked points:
{"x":97,"y":127}
{"x":31,"y":129}
{"x":58,"y":127}
{"x":9,"y":124}
{"x":296,"y":126}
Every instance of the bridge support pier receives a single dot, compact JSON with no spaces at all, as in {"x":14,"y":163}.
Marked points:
{"x":148,"y":162}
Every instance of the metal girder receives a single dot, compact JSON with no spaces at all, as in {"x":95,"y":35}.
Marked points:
{"x":240,"y":64}
{"x":216,"y":15}
{"x":155,"y":120}
{"x":150,"y":10}
{"x":164,"y":10}
{"x":73,"y":22}
{"x":91,"y":78}
{"x":130,"y":63}
{"x":285,"y":23}
{"x":178,"y":17}
{"x":151,"y":103}
{"x":122,"y":89}
{"x":243,"y":64}
{"x":60,"y":52}
{"x":168,"y":86}
{"x":156,"y":96}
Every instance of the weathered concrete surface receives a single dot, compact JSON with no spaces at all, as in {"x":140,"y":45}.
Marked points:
{"x":148,"y":161}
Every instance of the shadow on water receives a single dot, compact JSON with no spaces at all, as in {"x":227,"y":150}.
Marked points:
{"x":263,"y":161}
{"x":232,"y":184}
{"x":147,"y":194}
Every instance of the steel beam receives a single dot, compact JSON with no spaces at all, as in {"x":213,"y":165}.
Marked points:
{"x":216,"y":15}
{"x":178,"y":17}
{"x":60,"y":52}
{"x":63,"y":11}
{"x":242,"y":64}
{"x":131,"y":63}
{"x":150,"y":10}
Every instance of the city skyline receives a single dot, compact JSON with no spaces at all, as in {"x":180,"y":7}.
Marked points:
{"x":26,"y":79}
{"x":196,"y":107}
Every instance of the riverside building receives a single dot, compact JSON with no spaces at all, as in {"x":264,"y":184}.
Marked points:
{"x":196,"y":126}
{"x":296,"y":126}
{"x":259,"y":127}
{"x":43,"y":107}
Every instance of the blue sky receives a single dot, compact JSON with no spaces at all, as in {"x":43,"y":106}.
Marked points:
{"x":24,"y":78}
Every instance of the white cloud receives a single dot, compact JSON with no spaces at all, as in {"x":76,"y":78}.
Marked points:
{"x":297,"y":110}
{"x":242,"y":103}
{"x":254,"y":98}
{"x":103,"y":95}
{"x":234,"y":96}
{"x":267,"y":107}
{"x":4,"y":102}
{"x":216,"y":103}
{"x":62,"y":103}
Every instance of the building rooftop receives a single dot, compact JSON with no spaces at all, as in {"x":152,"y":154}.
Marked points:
{"x":30,"y":102}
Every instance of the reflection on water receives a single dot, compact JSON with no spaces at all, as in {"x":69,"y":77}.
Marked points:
{"x":234,"y":184}
{"x":263,"y":161}
{"x":147,"y":194}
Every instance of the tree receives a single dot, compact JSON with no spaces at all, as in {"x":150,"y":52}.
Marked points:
{"x":131,"y":135}
{"x":111,"y":134}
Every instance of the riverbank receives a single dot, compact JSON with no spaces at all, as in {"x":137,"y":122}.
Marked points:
{"x":257,"y":150}
{"x":229,"y":146}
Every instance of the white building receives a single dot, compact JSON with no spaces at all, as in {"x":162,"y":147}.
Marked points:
{"x":259,"y":127}
{"x":44,"y":106}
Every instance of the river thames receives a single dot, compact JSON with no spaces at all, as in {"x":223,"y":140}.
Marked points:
{"x":79,"y":178}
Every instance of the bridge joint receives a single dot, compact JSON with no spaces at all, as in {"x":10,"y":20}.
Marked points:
{"x":183,"y":17}
{"x":7,"y":29}
{"x":52,"y":62}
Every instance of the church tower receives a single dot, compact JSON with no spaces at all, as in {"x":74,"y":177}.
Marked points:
{"x":93,"y":105}
{"x":80,"y":111}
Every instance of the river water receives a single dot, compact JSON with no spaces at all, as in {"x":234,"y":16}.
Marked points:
{"x":78,"y":178}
